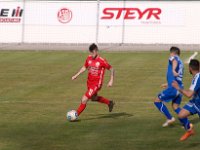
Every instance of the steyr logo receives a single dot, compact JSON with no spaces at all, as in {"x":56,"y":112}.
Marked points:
{"x":64,"y":15}
{"x":131,"y":13}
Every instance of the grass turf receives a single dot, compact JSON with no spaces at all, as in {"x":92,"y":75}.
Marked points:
{"x":36,"y":91}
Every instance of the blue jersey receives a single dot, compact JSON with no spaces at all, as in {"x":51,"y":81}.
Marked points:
{"x":179,"y":70}
{"x":195,"y":86}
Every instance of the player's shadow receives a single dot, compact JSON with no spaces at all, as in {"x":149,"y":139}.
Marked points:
{"x":111,"y":115}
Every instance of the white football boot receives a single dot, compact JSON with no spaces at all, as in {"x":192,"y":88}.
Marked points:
{"x":169,"y":122}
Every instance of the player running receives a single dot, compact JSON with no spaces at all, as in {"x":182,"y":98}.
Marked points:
{"x":174,"y":72}
{"x":96,"y":66}
{"x":193,"y":106}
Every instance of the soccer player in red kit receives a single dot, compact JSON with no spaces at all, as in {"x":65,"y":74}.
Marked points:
{"x":96,"y":67}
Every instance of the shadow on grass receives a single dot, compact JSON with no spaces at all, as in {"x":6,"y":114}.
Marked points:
{"x":75,"y":121}
{"x":112,"y":115}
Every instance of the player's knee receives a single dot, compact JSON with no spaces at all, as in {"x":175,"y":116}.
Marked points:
{"x":181,"y":115}
{"x":84,"y":100}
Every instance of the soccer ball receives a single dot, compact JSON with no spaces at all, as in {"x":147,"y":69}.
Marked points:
{"x":72,"y":115}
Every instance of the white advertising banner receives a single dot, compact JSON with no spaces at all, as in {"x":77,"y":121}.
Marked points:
{"x":110,"y":13}
{"x":85,"y":13}
{"x":109,"y":22}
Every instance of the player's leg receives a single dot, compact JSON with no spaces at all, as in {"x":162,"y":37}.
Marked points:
{"x":88,"y":95}
{"x":176,"y":107}
{"x":100,"y":99}
{"x":83,"y":104}
{"x":164,"y":96}
{"x":163,"y":109}
{"x":183,"y":114}
{"x":103,"y":100}
{"x":176,"y":104}
{"x":187,"y":110}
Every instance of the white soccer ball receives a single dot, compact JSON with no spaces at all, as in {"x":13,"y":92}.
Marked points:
{"x":72,"y":115}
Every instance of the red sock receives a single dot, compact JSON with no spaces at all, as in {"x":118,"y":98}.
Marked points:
{"x":81,"y":108}
{"x":103,"y":100}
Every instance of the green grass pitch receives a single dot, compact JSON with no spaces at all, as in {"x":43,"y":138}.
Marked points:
{"x":36,"y":91}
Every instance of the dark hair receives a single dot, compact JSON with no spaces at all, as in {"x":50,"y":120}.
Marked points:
{"x":93,"y":47}
{"x":175,"y":50}
{"x":194,"y":64}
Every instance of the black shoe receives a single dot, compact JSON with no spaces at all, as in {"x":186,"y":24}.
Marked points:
{"x":111,"y":105}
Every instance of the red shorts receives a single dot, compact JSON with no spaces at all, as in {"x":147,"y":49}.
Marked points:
{"x":92,"y":90}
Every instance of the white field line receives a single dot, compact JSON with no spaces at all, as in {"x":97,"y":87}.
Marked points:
{"x":187,"y":61}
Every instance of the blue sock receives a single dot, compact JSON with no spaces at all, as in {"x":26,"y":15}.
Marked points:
{"x":185,"y":122}
{"x":177,"y":110}
{"x":163,"y":109}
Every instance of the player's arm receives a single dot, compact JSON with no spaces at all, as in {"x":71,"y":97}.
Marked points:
{"x":187,"y":93}
{"x":78,"y":73}
{"x":174,"y":65}
{"x":112,"y":73}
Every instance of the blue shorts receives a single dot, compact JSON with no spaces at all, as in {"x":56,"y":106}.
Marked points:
{"x":192,"y":108}
{"x":170,"y":94}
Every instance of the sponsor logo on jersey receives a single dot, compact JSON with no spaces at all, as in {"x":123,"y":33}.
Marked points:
{"x":97,"y":64}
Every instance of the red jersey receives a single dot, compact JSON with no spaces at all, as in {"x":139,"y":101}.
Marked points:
{"x":96,"y":69}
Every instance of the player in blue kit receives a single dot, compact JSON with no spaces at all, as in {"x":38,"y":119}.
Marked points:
{"x":193,"y":106}
{"x":170,"y":94}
